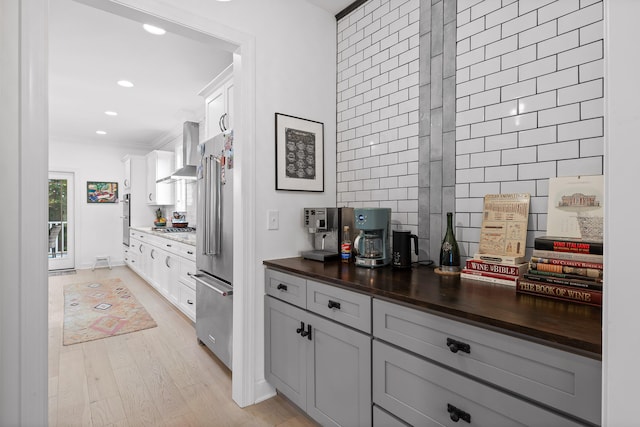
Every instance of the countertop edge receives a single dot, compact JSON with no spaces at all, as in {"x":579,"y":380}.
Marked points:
{"x":170,"y":236}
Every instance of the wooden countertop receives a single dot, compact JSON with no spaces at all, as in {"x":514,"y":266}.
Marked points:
{"x":568,"y":326}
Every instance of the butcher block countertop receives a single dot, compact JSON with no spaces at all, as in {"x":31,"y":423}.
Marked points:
{"x":568,"y":326}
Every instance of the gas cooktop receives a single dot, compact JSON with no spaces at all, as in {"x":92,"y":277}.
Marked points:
{"x":174,"y":229}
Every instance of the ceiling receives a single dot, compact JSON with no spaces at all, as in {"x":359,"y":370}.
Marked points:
{"x":91,"y":49}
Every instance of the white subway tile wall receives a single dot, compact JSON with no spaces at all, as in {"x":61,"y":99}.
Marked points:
{"x":378,"y":104}
{"x":548,"y":118}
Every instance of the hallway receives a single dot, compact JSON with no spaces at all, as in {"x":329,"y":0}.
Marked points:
{"x":156,"y":377}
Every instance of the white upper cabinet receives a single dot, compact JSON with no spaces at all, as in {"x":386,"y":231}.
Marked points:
{"x":127,"y":173}
{"x":159,"y":165}
{"x":218,"y":96}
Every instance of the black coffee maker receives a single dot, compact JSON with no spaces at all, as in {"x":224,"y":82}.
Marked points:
{"x":401,"y":253}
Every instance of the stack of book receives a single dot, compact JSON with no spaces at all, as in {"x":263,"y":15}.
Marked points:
{"x":500,"y":270}
{"x":566,"y":269}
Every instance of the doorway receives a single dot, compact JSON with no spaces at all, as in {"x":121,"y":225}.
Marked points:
{"x":61,"y":255}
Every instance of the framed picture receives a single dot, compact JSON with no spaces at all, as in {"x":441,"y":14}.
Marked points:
{"x":102,"y":192}
{"x":299,"y":154}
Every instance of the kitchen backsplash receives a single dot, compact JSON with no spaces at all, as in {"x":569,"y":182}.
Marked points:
{"x":529,"y":105}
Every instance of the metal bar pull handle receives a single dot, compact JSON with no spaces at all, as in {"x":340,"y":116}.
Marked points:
{"x":197,"y":277}
{"x":206,"y":202}
{"x":217,"y":207}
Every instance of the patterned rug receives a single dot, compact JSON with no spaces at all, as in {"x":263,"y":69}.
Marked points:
{"x":96,"y":310}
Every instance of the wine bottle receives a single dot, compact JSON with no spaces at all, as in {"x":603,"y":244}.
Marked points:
{"x":449,"y":251}
{"x":345,"y":250}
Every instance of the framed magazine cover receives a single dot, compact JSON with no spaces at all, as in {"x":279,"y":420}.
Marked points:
{"x":299,"y":154}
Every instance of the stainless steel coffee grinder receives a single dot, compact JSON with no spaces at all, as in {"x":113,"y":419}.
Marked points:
{"x":373,"y":245}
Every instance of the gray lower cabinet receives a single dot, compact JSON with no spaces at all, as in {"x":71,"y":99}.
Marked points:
{"x":566,"y":382}
{"x":425,"y":394}
{"x":320,"y":365}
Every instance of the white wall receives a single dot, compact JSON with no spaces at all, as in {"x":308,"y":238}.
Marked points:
{"x":295,"y":74}
{"x":621,"y":316}
{"x":529,"y":101}
{"x":378,"y":109}
{"x":98,"y":227}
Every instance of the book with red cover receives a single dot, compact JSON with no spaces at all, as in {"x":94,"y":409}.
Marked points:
{"x":585,"y":284}
{"x":489,"y":267}
{"x":565,"y":244}
{"x":568,"y":263}
{"x":565,"y":293}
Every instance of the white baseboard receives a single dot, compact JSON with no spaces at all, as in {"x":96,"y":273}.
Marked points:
{"x":263,"y":391}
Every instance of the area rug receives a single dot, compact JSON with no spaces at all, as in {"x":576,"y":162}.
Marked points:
{"x":95,"y":310}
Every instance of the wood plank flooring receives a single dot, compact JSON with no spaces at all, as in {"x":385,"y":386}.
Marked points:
{"x":156,"y":377}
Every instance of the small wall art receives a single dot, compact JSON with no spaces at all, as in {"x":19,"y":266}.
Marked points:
{"x":102,"y":192}
{"x":299,"y":154}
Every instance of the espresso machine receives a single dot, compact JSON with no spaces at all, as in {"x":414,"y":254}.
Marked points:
{"x":373,"y":244}
{"x":326,"y":225}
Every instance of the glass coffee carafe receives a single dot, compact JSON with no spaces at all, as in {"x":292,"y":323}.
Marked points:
{"x":370,"y":244}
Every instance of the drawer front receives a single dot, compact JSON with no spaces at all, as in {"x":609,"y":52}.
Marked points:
{"x":425,"y":394}
{"x":350,"y":308}
{"x":180,"y":249}
{"x":187,"y":301}
{"x":187,"y":267}
{"x":556,"y":378}
{"x":385,"y":419}
{"x":289,"y":288}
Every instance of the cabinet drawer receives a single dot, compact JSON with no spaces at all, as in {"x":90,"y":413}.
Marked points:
{"x":187,"y":267}
{"x":559,"y":379}
{"x":350,"y":308}
{"x":289,"y":288}
{"x":181,"y":249}
{"x":422,"y":393}
{"x":187,"y":300}
{"x":384,"y":419}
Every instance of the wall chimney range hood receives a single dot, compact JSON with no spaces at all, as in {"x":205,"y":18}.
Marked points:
{"x":190,"y":141}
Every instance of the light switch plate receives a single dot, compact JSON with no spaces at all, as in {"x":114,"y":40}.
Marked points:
{"x":273,"y":220}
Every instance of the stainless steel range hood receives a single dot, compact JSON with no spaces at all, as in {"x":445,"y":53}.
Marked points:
{"x":190,"y":140}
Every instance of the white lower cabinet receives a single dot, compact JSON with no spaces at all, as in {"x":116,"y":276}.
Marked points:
{"x":165,"y":265}
{"x":321,"y":365}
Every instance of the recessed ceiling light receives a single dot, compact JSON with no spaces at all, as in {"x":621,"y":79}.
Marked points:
{"x":111,"y":113}
{"x":101,"y":132}
{"x":223,"y":0}
{"x":125,"y":83}
{"x":154,"y":30}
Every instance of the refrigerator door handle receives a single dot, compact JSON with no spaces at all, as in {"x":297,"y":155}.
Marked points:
{"x":212,"y":206}
{"x":198,"y":279}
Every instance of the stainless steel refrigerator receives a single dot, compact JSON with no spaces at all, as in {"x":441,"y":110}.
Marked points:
{"x":214,"y":245}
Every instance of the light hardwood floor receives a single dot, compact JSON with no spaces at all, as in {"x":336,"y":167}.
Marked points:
{"x":156,"y":377}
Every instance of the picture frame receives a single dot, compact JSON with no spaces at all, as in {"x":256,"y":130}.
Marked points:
{"x":102,"y":192}
{"x":299,"y":154}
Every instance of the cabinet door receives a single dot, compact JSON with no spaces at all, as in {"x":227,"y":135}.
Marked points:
{"x":285,"y":349}
{"x":154,"y":267}
{"x":215,"y":108}
{"x":338,"y":374}
{"x":127,"y":174}
{"x":151,"y":179}
{"x":159,"y":165}
{"x":228,"y":97}
{"x":168,"y":268}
